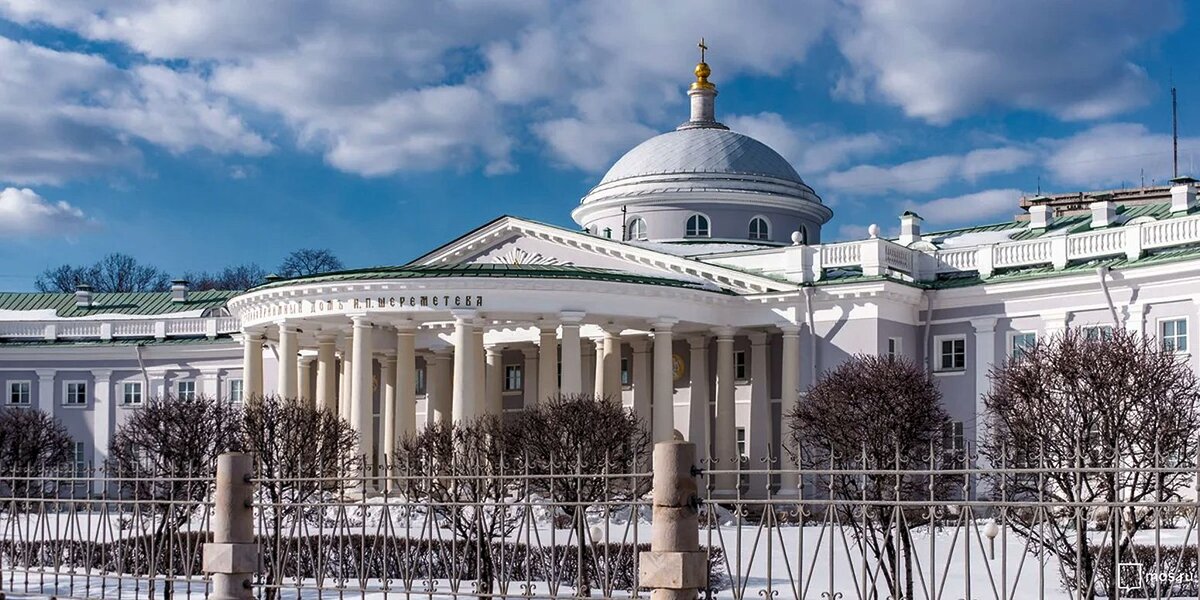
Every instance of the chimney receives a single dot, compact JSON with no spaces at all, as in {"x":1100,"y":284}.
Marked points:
{"x":83,"y":296}
{"x":910,"y":228}
{"x":179,"y":290}
{"x":1183,"y":194}
{"x":1104,"y":213}
{"x":1040,"y":216}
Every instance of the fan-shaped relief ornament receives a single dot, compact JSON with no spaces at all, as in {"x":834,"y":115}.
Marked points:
{"x":519,"y":256}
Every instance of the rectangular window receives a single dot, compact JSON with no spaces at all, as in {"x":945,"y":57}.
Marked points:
{"x":1173,"y":333}
{"x":131,"y":393}
{"x":893,"y":347}
{"x":1098,"y":332}
{"x":185,"y":390}
{"x":626,"y":377}
{"x":80,"y":457}
{"x":954,"y":443}
{"x":739,"y":366}
{"x":421,"y":381}
{"x":953,"y":354}
{"x":236,"y":395}
{"x":741,"y":443}
{"x":1021,"y":342}
{"x":19,"y":393}
{"x":512,"y":378}
{"x":76,"y":394}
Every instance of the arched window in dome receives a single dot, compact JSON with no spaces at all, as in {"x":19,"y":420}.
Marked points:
{"x":697,"y":226}
{"x":637,"y":229}
{"x":760,"y":229}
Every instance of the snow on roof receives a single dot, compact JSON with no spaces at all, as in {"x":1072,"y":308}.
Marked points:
{"x":972,"y":238}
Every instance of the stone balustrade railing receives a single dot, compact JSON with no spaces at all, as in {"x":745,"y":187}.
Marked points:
{"x":80,"y":329}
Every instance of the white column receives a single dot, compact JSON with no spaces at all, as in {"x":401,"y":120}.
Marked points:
{"x":789,"y":378}
{"x":663,"y":400}
{"x":156,"y":384}
{"x":547,"y":381}
{"x":326,"y":396}
{"x":530,"y":377}
{"x":443,"y":360}
{"x":725,"y":454}
{"x":406,"y":381}
{"x":102,"y":415}
{"x":598,"y":368}
{"x":252,"y":364}
{"x":758,"y":430}
{"x":642,"y":390}
{"x":46,"y":390}
{"x":347,"y":376}
{"x":464,"y":396}
{"x":985,"y":355}
{"x":610,"y":374}
{"x":207,"y":383}
{"x":304,"y":379}
{"x":479,"y":400}
{"x":288,"y":383}
{"x":588,"y":352}
{"x":360,"y":386}
{"x":494,"y":385}
{"x":387,"y":376}
{"x":572,"y":354}
{"x":699,"y":409}
{"x":1135,"y":319}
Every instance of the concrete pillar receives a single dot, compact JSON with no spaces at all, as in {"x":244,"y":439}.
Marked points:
{"x":439,"y":373}
{"x":406,"y":382}
{"x":360,"y":386}
{"x":642,"y":390}
{"x":494,"y":386}
{"x":725,"y":424}
{"x":304,"y":378}
{"x":790,"y":395}
{"x":588,"y":364}
{"x":232,"y":556}
{"x":45,"y":397}
{"x":758,"y":430}
{"x":608,"y":366}
{"x":674,"y":568}
{"x":252,"y":364}
{"x":699,"y":407}
{"x":387,"y":376}
{"x":479,"y":400}
{"x":288,"y":368}
{"x":463,"y":401}
{"x":547,"y":380}
{"x":347,"y":376}
{"x":664,"y":382}
{"x":984,"y":356}
{"x":326,"y":396}
{"x":572,"y":354}
{"x":531,"y":376}
{"x":102,"y":421}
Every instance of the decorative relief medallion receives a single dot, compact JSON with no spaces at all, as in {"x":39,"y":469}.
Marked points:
{"x":677,"y":366}
{"x":518,"y":256}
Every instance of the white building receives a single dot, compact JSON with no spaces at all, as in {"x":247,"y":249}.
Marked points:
{"x":697,"y":289}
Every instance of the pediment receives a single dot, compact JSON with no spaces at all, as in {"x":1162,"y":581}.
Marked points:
{"x":509,"y":240}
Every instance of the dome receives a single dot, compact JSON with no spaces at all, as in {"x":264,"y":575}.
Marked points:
{"x":701,"y":150}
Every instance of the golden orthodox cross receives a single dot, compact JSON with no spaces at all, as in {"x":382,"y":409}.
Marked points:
{"x":702,"y":49}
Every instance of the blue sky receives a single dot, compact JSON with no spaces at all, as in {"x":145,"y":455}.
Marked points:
{"x":195,"y":135}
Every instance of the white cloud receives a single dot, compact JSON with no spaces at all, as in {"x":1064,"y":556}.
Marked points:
{"x":928,"y":174}
{"x":23,"y":212}
{"x":811,"y":150}
{"x":77,"y":114}
{"x":1116,"y":154}
{"x":969,"y":208}
{"x":943,"y":59}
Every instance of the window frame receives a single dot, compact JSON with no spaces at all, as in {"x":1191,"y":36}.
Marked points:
{"x":1162,"y":338}
{"x":938,"y":342}
{"x":241,"y":390}
{"x":1013,"y":336}
{"x":698,"y":231}
{"x":634,"y":233}
{"x":141,"y":393}
{"x":626,"y":373}
{"x":79,"y":455}
{"x":420,"y":386}
{"x":895,"y":347}
{"x":1097,"y":332}
{"x":741,"y":367}
{"x":8,"y":398}
{"x":179,"y":394}
{"x":765,"y":234}
{"x":66,"y":398}
{"x":508,"y":379}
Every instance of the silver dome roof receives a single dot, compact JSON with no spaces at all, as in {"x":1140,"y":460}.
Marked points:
{"x":701,"y":150}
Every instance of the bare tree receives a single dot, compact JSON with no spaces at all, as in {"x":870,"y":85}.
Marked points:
{"x":239,"y":277}
{"x":32,"y":443}
{"x":165,"y":455}
{"x":875,"y":413}
{"x":115,"y":272}
{"x":309,"y":261}
{"x":581,"y":447}
{"x":1119,"y":403}
{"x":303,"y":452}
{"x":460,"y":470}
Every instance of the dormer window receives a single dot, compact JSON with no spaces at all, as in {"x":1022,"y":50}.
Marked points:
{"x":759,"y":229}
{"x":637,"y":229}
{"x":697,"y":226}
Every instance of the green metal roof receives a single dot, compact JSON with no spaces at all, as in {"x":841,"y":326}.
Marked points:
{"x":504,"y":271}
{"x":125,"y":303}
{"x":182,"y":341}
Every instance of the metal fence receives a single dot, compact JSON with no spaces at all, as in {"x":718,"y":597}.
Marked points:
{"x":958,"y":531}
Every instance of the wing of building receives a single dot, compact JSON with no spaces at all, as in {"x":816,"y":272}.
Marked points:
{"x":698,"y":289}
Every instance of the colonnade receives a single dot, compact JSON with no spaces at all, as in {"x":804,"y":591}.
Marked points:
{"x":465,"y":379}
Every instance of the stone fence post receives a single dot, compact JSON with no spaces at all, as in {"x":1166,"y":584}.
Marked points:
{"x":674,"y":568}
{"x":232,"y":557}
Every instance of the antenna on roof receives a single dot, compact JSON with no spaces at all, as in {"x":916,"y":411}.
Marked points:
{"x":624,"y":223}
{"x":1143,"y":172}
{"x":1039,"y":192}
{"x":1174,"y":131}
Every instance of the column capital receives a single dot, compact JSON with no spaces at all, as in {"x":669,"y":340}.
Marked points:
{"x":443,"y":353}
{"x":464,"y":315}
{"x":665,"y":323}
{"x":571,"y":317}
{"x":405,"y":327}
{"x":287,"y":325}
{"x":530,"y":352}
{"x":697,"y":341}
{"x":327,"y":339}
{"x":758,"y":338}
{"x":493,"y":349}
{"x":984,"y":324}
{"x":724,"y":333}
{"x":104,"y":375}
{"x":360,"y":320}
{"x":45,"y":373}
{"x":387,"y":357}
{"x":640,"y":344}
{"x":789,"y":329}
{"x":546,"y":325}
{"x":253,"y":333}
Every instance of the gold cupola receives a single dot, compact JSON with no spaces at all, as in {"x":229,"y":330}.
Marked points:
{"x":702,"y":94}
